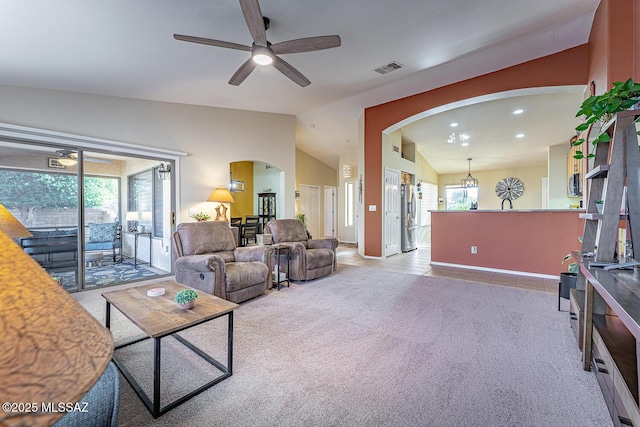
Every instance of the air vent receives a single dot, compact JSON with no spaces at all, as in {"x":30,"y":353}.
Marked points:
{"x":391,"y":66}
{"x":396,"y":149}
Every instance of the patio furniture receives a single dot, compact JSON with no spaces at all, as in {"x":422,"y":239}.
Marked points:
{"x":309,"y":258}
{"x":206,"y":258}
{"x":105,"y":237}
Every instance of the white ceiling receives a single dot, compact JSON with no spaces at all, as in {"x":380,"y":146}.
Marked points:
{"x":125,"y":48}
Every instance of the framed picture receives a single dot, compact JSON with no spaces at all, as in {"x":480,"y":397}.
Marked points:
{"x":55,"y":164}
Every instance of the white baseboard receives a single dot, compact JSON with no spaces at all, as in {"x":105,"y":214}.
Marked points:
{"x":497,"y":270}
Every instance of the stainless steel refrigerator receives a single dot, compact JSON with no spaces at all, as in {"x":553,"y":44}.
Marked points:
{"x":408,"y":217}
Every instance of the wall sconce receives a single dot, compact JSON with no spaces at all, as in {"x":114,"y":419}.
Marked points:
{"x":235,"y":185}
{"x":297,"y":194}
{"x":164,"y":171}
{"x":346,"y":171}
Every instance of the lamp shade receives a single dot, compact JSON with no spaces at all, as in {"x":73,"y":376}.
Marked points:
{"x":43,"y":361}
{"x":11,"y":226}
{"x":221,"y":195}
{"x":132,"y":216}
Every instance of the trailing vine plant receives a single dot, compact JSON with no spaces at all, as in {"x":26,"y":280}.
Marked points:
{"x":602,"y":108}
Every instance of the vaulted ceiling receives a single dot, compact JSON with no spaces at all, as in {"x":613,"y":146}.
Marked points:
{"x":126,"y":48}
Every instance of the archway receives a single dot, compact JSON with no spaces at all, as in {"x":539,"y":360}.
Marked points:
{"x":562,"y":69}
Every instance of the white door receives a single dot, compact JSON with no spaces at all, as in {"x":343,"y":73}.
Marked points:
{"x":309,"y":204}
{"x":391,"y":212}
{"x":330,"y":211}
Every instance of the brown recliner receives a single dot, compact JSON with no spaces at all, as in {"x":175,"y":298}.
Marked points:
{"x":206,"y":258}
{"x":310,"y":258}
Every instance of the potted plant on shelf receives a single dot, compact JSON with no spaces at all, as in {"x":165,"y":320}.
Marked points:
{"x":200,"y":216}
{"x":602,"y":108}
{"x":186,"y":298}
{"x":568,"y":278}
{"x":599,"y":205}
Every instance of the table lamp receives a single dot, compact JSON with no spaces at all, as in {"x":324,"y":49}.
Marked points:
{"x":11,"y":226}
{"x":221,"y":195}
{"x":132,"y":221}
{"x":52,"y":349}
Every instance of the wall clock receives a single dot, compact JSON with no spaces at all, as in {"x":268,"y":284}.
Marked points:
{"x":509,"y":188}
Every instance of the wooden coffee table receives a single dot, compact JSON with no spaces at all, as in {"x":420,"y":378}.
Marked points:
{"x":160,"y":316}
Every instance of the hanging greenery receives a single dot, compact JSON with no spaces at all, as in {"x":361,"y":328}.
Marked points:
{"x":602,"y":108}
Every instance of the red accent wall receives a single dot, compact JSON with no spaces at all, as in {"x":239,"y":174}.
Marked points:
{"x":565,"y":68}
{"x":612,"y":56}
{"x":534,"y":242}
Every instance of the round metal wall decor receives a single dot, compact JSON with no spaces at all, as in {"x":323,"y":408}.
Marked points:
{"x":509,"y":188}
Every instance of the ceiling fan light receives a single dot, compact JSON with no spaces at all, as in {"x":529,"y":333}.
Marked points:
{"x":262,"y":59}
{"x":67,"y":161}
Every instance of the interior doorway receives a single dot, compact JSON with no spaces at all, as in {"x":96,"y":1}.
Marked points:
{"x":309,"y":205}
{"x":391,"y":212}
{"x":330,"y":211}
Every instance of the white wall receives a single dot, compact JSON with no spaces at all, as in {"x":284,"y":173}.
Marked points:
{"x":558,"y":177}
{"x":213,"y":137}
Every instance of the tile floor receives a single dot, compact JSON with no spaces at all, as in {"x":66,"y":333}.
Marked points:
{"x":419,"y":262}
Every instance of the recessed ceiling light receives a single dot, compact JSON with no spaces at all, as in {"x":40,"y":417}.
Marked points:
{"x":520,"y":135}
{"x":454,"y":124}
{"x":464,"y":144}
{"x":518,"y":111}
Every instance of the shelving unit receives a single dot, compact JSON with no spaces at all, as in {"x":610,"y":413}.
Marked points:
{"x":266,"y":208}
{"x":605,"y":306}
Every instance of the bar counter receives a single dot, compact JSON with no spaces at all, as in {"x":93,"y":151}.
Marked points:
{"x":522,"y":241}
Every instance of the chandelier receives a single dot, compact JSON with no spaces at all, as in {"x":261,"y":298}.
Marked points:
{"x":469,"y":181}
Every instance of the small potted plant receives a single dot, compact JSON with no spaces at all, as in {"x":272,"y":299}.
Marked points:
{"x":303,"y":218}
{"x":200,"y":216}
{"x":186,"y":298}
{"x":599,"y":205}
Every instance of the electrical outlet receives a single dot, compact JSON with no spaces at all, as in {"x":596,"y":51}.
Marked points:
{"x":192,"y":211}
{"x":474,"y":249}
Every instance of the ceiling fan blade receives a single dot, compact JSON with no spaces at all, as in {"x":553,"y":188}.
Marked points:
{"x":308,"y":44}
{"x":255,"y":22}
{"x":288,"y":70}
{"x":243,"y":72}
{"x":212,"y":42}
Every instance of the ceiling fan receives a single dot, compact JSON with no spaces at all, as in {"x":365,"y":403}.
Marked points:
{"x":262,"y":51}
{"x":70,"y":158}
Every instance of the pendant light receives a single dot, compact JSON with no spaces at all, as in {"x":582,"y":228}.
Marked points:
{"x":469,"y":181}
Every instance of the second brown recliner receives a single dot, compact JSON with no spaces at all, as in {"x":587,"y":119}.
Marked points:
{"x":206,"y":258}
{"x":310,"y":258}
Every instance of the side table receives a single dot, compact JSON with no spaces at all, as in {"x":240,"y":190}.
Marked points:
{"x":282,"y":250}
{"x":135,"y":247}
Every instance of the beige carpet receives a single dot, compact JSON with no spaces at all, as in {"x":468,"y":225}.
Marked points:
{"x":367,"y":347}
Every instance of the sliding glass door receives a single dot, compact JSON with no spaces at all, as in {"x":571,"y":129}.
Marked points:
{"x":123,"y":203}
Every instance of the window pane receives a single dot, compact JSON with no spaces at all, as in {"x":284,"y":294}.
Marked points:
{"x":348,"y":203}
{"x":459,"y":198}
